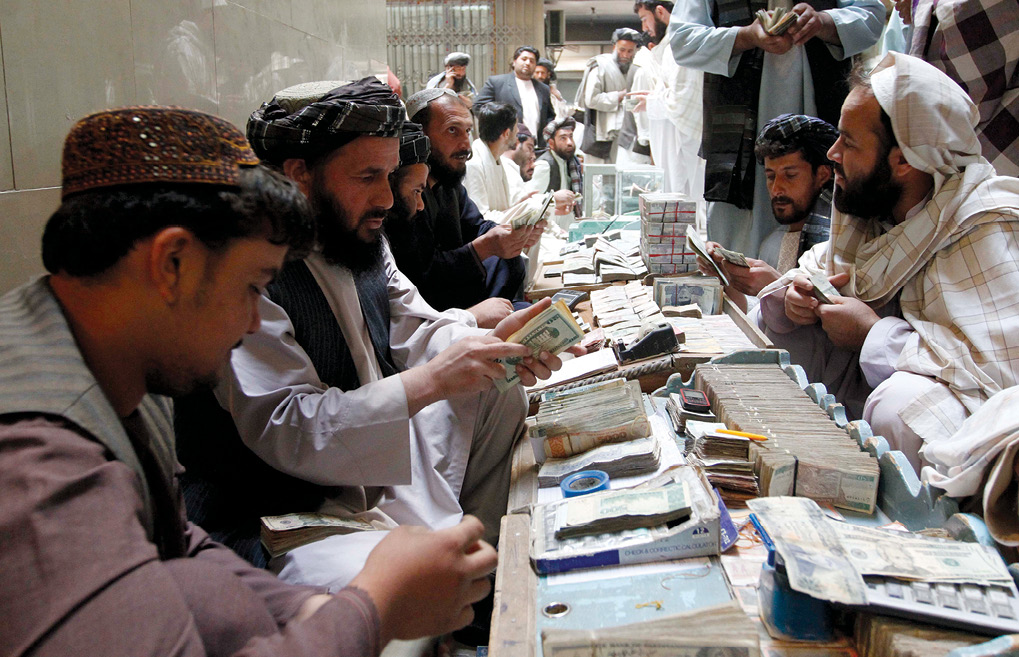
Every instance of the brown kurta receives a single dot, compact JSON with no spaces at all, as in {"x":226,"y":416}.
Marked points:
{"x":78,"y":576}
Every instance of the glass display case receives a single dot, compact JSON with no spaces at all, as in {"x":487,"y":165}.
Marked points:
{"x":609,"y":190}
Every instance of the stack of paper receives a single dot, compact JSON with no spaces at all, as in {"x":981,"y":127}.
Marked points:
{"x":704,"y":291}
{"x":280,"y":534}
{"x":719,"y":631}
{"x":633,"y":457}
{"x":664,"y":218}
{"x":616,"y":510}
{"x":806,"y":452}
{"x":621,"y":310}
{"x":581,"y":419}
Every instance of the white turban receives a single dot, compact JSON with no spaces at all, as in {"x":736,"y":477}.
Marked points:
{"x":933,"y":119}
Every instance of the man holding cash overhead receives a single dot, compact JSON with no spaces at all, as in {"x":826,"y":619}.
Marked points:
{"x":909,"y":313}
{"x":357,"y":397}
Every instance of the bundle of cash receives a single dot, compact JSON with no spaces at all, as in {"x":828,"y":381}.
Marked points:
{"x":717,"y":631}
{"x":626,"y":459}
{"x":567,"y":425}
{"x":701,"y":249}
{"x":732,"y":257}
{"x":704,"y":291}
{"x":552,"y":330}
{"x":724,"y":460}
{"x":806,"y":454}
{"x":824,"y":291}
{"x":663,"y":221}
{"x":722,"y":446}
{"x":776,"y":21}
{"x":280,"y":534}
{"x":616,"y":510}
{"x":529,"y":212}
{"x":622,"y":309}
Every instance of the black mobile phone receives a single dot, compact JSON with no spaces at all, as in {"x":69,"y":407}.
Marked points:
{"x":694,"y":401}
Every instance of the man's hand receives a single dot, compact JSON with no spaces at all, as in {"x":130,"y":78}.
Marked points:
{"x":846,"y":320}
{"x":755,"y":36}
{"x":490,"y":312}
{"x":751,"y":280}
{"x":564,"y":199}
{"x":641,"y":105}
{"x":423,"y":582}
{"x":531,"y":369}
{"x":705,"y":268}
{"x":810,"y":24}
{"x":536,"y":231}
{"x":905,"y":9}
{"x":465,"y":367}
{"x":501,"y":241}
{"x":800,"y":302}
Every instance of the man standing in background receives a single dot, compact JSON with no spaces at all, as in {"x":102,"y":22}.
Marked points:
{"x":607,"y":79}
{"x":531,"y":98}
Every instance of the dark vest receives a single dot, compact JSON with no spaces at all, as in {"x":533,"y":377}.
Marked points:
{"x":227,"y":487}
{"x":730,"y":105}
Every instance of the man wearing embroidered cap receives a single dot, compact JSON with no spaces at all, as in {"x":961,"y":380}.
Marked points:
{"x":357,"y":398}
{"x":167,"y":231}
{"x":454,"y":76}
{"x":923,"y":250}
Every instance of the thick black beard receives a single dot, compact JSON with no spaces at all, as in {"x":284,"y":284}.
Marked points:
{"x":444,"y":174}
{"x":873,"y":197}
{"x":341,"y":245}
{"x":660,"y":29}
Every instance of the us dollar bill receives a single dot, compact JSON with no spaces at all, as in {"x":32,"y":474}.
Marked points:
{"x":815,"y":560}
{"x":734,"y":257}
{"x":552,"y":330}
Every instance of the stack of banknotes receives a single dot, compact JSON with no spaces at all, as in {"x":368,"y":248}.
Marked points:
{"x":616,"y":510}
{"x":806,"y":453}
{"x":552,"y":330}
{"x":724,"y":458}
{"x":704,"y":291}
{"x":529,"y":212}
{"x":718,"y":631}
{"x":776,"y":21}
{"x":664,"y":219}
{"x":626,"y":459}
{"x":280,"y":534}
{"x":622,"y":309}
{"x":679,"y":415}
{"x":578,"y":420}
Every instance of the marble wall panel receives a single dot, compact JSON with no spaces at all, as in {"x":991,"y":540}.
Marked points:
{"x":6,"y":161}
{"x":244,"y":60}
{"x":277,"y":10}
{"x":175,"y":53}
{"x":25,"y":214}
{"x":62,"y":60}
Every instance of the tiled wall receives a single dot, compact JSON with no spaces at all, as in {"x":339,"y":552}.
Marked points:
{"x":61,"y":59}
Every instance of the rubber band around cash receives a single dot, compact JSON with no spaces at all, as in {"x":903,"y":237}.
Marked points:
{"x":584,"y":482}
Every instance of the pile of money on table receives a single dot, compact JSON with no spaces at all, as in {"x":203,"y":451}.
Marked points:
{"x":621,"y":310}
{"x":664,"y":218}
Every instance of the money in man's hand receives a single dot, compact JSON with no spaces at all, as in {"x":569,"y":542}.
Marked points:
{"x":733,"y":257}
{"x":824,"y":291}
{"x":552,"y":330}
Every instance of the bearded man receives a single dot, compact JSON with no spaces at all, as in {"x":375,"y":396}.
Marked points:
{"x":924,"y":252}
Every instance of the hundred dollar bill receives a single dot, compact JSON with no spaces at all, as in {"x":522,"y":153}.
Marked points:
{"x":815,"y":560}
{"x":552,"y":330}
{"x":908,"y":556}
{"x":280,"y":534}
{"x":824,"y":291}
{"x":292,"y":521}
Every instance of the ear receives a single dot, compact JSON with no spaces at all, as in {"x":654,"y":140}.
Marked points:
{"x":898,"y":164}
{"x":172,"y":254}
{"x":822,"y":176}
{"x":662,"y":14}
{"x":297,"y":170}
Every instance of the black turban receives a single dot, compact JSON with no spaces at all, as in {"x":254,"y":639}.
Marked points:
{"x":799,"y":131}
{"x":363,"y":108}
{"x":414,"y":145}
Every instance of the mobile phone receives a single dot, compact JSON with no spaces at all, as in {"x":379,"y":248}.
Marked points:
{"x":694,"y":401}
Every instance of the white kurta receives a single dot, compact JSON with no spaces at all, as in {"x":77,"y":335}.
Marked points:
{"x":365,"y":437}
{"x":786,"y":86}
{"x":487,"y":183}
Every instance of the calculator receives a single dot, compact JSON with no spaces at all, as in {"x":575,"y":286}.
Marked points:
{"x":990,"y":609}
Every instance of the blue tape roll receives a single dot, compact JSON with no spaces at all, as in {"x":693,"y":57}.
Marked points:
{"x":582,"y":483}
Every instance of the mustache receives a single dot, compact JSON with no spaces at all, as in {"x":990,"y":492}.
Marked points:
{"x":465,"y":153}
{"x":374,"y":213}
{"x":782,"y":199}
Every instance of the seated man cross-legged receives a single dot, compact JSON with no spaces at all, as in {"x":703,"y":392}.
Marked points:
{"x":924,"y":252}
